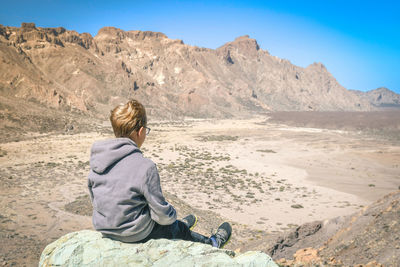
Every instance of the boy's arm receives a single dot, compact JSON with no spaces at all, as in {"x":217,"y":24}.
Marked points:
{"x":160,"y":210}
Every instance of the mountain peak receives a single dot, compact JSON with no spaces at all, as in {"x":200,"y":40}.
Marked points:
{"x":317,"y":65}
{"x":109,"y":31}
{"x":112,"y":32}
{"x":27,"y":26}
{"x":246,"y":42}
{"x":242,"y":44}
{"x":382,"y":89}
{"x":243,"y":37}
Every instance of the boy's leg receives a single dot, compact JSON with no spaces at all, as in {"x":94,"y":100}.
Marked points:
{"x":196,"y":237}
{"x":159,"y":231}
{"x":177,"y":230}
{"x":180,"y":230}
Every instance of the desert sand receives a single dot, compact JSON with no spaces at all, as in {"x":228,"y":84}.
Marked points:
{"x":260,"y":175}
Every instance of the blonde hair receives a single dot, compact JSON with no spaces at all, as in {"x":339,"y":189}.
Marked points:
{"x":129,"y":117}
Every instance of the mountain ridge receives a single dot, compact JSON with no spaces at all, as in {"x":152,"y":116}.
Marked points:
{"x":65,"y":69}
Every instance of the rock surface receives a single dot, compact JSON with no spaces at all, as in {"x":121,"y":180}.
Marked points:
{"x":88,"y":248}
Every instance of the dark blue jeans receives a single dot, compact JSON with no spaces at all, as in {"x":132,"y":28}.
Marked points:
{"x":177,"y":230}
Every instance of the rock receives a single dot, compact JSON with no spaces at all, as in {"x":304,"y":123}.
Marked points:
{"x":89,"y":248}
{"x":307,"y":255}
{"x":287,"y":242}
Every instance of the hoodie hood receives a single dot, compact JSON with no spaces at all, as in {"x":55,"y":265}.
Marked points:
{"x":105,"y":153}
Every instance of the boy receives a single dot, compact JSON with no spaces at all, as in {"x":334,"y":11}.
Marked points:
{"x":128,"y":204}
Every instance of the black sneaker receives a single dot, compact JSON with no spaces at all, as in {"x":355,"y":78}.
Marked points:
{"x":190,"y":221}
{"x":221,"y":238}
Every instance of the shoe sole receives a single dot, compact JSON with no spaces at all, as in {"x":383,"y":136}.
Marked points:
{"x":195,"y":222}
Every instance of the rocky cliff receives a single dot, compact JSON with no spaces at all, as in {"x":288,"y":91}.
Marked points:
{"x":73,"y":71}
{"x":88,"y":248}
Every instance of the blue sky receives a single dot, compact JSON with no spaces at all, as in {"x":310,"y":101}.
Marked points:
{"x":358,"y":41}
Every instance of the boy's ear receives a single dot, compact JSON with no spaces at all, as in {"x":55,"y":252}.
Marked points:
{"x":141,"y":130}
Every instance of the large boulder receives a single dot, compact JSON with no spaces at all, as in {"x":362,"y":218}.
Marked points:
{"x":89,"y":248}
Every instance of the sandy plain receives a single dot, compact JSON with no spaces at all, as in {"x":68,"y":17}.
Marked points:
{"x":264,"y":177}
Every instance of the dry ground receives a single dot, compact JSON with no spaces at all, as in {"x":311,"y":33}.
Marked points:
{"x":263,"y":176}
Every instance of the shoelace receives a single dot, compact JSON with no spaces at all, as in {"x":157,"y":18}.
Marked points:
{"x":220,"y":236}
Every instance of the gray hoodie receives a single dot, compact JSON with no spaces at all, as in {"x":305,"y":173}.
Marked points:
{"x":125,"y":191}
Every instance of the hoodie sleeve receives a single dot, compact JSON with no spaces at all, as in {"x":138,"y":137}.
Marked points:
{"x":90,"y":191}
{"x":160,"y":210}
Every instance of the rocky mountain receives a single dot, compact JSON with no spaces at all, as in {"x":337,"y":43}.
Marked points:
{"x":381,"y":97}
{"x":70,"y":71}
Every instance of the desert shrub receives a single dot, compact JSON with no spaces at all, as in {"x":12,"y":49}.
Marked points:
{"x":266,"y":151}
{"x":3,"y":153}
{"x":218,"y":138}
{"x":297,"y":206}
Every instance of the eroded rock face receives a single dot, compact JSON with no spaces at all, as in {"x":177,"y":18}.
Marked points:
{"x":88,"y":248}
